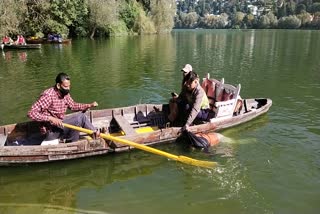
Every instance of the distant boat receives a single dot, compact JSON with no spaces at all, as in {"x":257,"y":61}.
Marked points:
{"x":46,"y":41}
{"x":27,"y":46}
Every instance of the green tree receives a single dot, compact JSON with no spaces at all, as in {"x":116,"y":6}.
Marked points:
{"x":264,"y":22}
{"x":316,"y":7}
{"x":162,"y":14}
{"x":71,"y":14}
{"x":102,"y":15}
{"x":67,"y":12}
{"x":37,"y":16}
{"x":273,"y":20}
{"x":291,"y":8}
{"x":222,"y":21}
{"x":129,"y":13}
{"x":11,"y":16}
{"x":56,"y":27}
{"x":238,"y":19}
{"x":282,"y":11}
{"x":190,"y":20}
{"x":301,"y":8}
{"x":305,"y":19}
{"x":268,"y":20}
{"x":316,"y":20}
{"x":289,"y":22}
{"x":143,"y":24}
{"x":249,"y":21}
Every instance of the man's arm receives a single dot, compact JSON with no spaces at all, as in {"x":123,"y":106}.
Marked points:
{"x":195,"y":108}
{"x":38,"y":108}
{"x":73,"y":106}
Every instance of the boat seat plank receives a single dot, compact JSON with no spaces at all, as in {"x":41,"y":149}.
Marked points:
{"x":63,"y":149}
{"x":124,"y":125}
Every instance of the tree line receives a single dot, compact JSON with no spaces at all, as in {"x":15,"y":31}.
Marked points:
{"x":288,"y":14}
{"x":86,"y":18}
{"x":92,"y":18}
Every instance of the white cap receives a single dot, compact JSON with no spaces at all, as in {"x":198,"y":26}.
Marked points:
{"x":187,"y":68}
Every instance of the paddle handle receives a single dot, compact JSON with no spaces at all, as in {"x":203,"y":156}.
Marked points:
{"x":182,"y":159}
{"x":124,"y":141}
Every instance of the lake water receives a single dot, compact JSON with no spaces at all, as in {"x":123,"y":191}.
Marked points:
{"x":275,"y":162}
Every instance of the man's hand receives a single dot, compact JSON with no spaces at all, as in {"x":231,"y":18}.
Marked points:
{"x":174,"y":95}
{"x":55,"y":121}
{"x":184,"y":128}
{"x":94,"y":104}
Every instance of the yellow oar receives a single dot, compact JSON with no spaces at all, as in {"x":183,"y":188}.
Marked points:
{"x":182,"y":159}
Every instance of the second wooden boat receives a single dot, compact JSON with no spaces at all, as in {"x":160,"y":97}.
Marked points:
{"x":27,"y":46}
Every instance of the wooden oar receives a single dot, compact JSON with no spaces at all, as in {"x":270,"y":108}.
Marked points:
{"x":180,"y":158}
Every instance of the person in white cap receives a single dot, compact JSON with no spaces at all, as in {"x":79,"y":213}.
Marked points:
{"x":187,"y":68}
{"x":191,"y":103}
{"x":185,"y":71}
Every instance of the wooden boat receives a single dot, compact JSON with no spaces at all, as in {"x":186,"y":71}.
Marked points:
{"x":46,"y":41}
{"x":27,"y":46}
{"x":144,"y":123}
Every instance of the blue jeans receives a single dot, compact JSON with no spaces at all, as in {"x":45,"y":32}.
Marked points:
{"x":70,"y":135}
{"x":185,"y":109}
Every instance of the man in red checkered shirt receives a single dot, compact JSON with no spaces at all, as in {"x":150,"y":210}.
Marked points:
{"x":51,"y":107}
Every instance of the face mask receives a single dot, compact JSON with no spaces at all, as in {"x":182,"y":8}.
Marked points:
{"x":63,"y":91}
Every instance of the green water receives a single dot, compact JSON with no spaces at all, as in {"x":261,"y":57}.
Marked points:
{"x":275,"y":166}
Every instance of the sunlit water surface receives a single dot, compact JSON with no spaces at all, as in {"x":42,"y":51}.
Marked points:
{"x":275,"y":162}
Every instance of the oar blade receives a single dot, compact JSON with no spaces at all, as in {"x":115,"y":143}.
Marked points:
{"x":194,"y":162}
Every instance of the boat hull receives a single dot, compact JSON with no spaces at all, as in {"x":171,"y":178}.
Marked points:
{"x":45,"y":41}
{"x":23,"y":47}
{"x":148,"y":122}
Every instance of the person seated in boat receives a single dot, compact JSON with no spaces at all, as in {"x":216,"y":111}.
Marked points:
{"x":22,"y":56}
{"x":20,"y":40}
{"x":7,"y":40}
{"x":192,"y":103}
{"x":50,"y":37}
{"x":55,"y":37}
{"x":58,"y":38}
{"x":185,"y":70}
{"x":50,"y":110}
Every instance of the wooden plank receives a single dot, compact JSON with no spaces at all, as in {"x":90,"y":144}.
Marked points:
{"x":124,"y":125}
{"x":64,"y":149}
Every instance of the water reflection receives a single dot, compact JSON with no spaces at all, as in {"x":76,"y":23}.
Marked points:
{"x":112,"y":183}
{"x":264,"y":171}
{"x":22,"y":56}
{"x":59,"y":183}
{"x":9,"y":55}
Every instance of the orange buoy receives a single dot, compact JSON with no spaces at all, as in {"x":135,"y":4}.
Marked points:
{"x":212,"y":138}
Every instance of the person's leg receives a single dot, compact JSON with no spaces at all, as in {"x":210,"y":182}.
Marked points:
{"x":184,"y":110}
{"x":79,"y":119}
{"x":203,"y":115}
{"x":173,"y":110}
